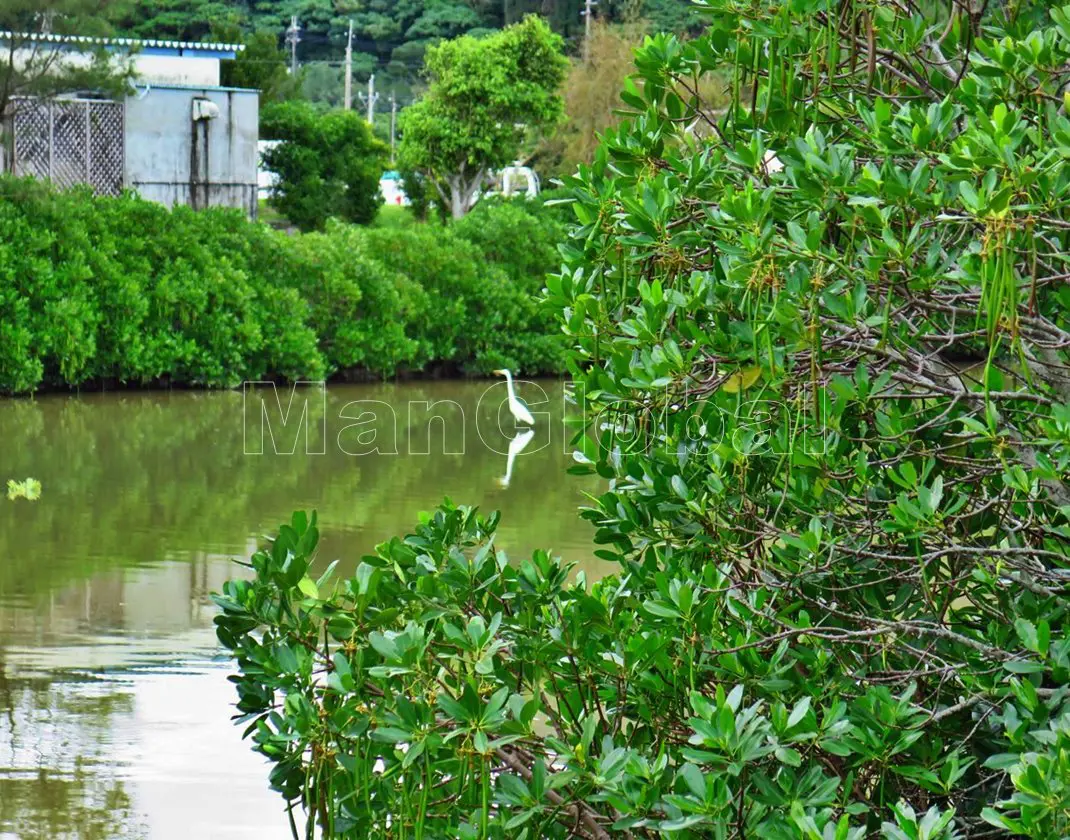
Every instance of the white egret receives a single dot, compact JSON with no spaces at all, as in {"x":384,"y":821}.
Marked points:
{"x":516,"y":446}
{"x":517,"y":407}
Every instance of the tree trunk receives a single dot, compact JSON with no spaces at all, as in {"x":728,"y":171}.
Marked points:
{"x":463,"y":192}
{"x":458,"y":206}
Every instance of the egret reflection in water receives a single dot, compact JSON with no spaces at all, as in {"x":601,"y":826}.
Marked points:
{"x":516,"y":446}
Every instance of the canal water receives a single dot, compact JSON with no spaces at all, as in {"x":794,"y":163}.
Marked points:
{"x":114,"y":703}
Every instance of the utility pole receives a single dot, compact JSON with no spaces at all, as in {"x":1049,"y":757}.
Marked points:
{"x":588,"y":13}
{"x":393,"y":122}
{"x":370,"y":100}
{"x":293,"y":36}
{"x":349,"y":68}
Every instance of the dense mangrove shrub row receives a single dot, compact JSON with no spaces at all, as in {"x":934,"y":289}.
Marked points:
{"x":120,"y":290}
{"x":822,"y":342}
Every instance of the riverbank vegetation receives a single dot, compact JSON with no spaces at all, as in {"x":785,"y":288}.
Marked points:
{"x":821,"y":342}
{"x":121,"y":291}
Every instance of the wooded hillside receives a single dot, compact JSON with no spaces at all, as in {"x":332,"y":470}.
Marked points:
{"x":390,"y":36}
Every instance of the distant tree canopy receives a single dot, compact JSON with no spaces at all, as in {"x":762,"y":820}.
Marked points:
{"x":390,"y":39}
{"x":45,"y":71}
{"x":485,"y":95}
{"x":183,"y":20}
{"x":389,"y":36}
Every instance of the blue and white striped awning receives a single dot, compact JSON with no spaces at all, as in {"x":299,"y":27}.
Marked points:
{"x":154,"y":45}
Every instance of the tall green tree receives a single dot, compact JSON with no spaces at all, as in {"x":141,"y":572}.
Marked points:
{"x":328,"y":164}
{"x":32,"y":67}
{"x":485,"y":95}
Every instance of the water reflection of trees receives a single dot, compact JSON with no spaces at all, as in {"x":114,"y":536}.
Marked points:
{"x":76,"y":806}
{"x":130,"y":479}
{"x":67,"y":790}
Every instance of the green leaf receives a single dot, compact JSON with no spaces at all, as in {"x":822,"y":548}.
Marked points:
{"x":661,"y":609}
{"x":1027,"y":633}
{"x":680,"y":487}
{"x":453,"y":708}
{"x":308,"y":587}
{"x":681,"y":823}
{"x":799,"y":712}
{"x":391,"y":735}
{"x":1019,"y":666}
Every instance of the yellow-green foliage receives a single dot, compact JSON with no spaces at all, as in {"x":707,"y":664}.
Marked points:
{"x":28,"y":489}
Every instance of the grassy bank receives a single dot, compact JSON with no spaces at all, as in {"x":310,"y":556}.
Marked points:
{"x":122,"y":291}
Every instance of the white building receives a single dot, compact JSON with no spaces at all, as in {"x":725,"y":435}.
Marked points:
{"x":178,"y":138}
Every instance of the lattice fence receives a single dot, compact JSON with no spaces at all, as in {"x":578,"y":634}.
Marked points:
{"x":70,"y":141}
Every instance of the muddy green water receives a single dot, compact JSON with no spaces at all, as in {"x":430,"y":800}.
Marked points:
{"x":114,"y":704}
